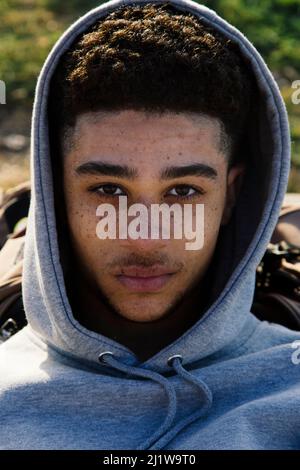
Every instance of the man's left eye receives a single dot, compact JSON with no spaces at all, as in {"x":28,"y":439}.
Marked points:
{"x":183,"y":191}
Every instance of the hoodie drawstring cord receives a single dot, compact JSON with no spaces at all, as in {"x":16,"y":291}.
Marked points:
{"x":206,"y":395}
{"x":130,"y":370}
{"x":164,"y":433}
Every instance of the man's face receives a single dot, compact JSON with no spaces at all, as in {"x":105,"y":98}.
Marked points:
{"x":151,"y":159}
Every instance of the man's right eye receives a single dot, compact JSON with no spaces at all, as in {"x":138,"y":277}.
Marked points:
{"x":108,"y":190}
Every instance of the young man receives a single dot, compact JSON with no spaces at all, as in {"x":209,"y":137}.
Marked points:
{"x":136,"y":342}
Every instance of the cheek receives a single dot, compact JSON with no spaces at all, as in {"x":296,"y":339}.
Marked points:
{"x":207,"y":222}
{"x":212,"y":219}
{"x":199,"y":258}
{"x":213,"y":211}
{"x":211,"y":231}
{"x":82,"y":220}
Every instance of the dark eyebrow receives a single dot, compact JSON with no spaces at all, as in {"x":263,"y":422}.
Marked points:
{"x":196,"y":169}
{"x":106,"y":169}
{"x":123,"y":171}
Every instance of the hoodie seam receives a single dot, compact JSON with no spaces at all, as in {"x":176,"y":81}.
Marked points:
{"x":227,"y":354}
{"x":243,"y":347}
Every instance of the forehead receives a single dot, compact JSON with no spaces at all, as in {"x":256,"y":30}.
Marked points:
{"x":146,"y":139}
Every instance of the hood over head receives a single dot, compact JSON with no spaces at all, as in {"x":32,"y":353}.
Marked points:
{"x":241,"y":243}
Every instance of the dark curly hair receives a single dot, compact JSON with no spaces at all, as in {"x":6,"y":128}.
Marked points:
{"x":155,"y":58}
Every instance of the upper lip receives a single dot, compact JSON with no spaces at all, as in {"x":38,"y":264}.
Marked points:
{"x":137,"y":271}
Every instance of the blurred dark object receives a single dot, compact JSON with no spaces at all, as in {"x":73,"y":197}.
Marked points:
{"x":14,"y":206}
{"x":277,"y":291}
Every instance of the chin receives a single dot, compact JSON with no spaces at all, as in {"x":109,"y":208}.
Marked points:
{"x":142,"y":313}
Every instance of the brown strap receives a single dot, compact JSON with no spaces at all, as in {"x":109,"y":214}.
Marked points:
{"x":288,"y":225}
{"x":10,"y":256}
{"x":11,"y":267}
{"x":288,"y":209}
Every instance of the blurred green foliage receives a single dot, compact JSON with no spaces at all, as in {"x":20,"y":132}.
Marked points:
{"x":29,"y":28}
{"x":272,"y":25}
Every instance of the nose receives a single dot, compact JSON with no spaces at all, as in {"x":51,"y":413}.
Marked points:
{"x":143,"y":245}
{"x":143,"y":231}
